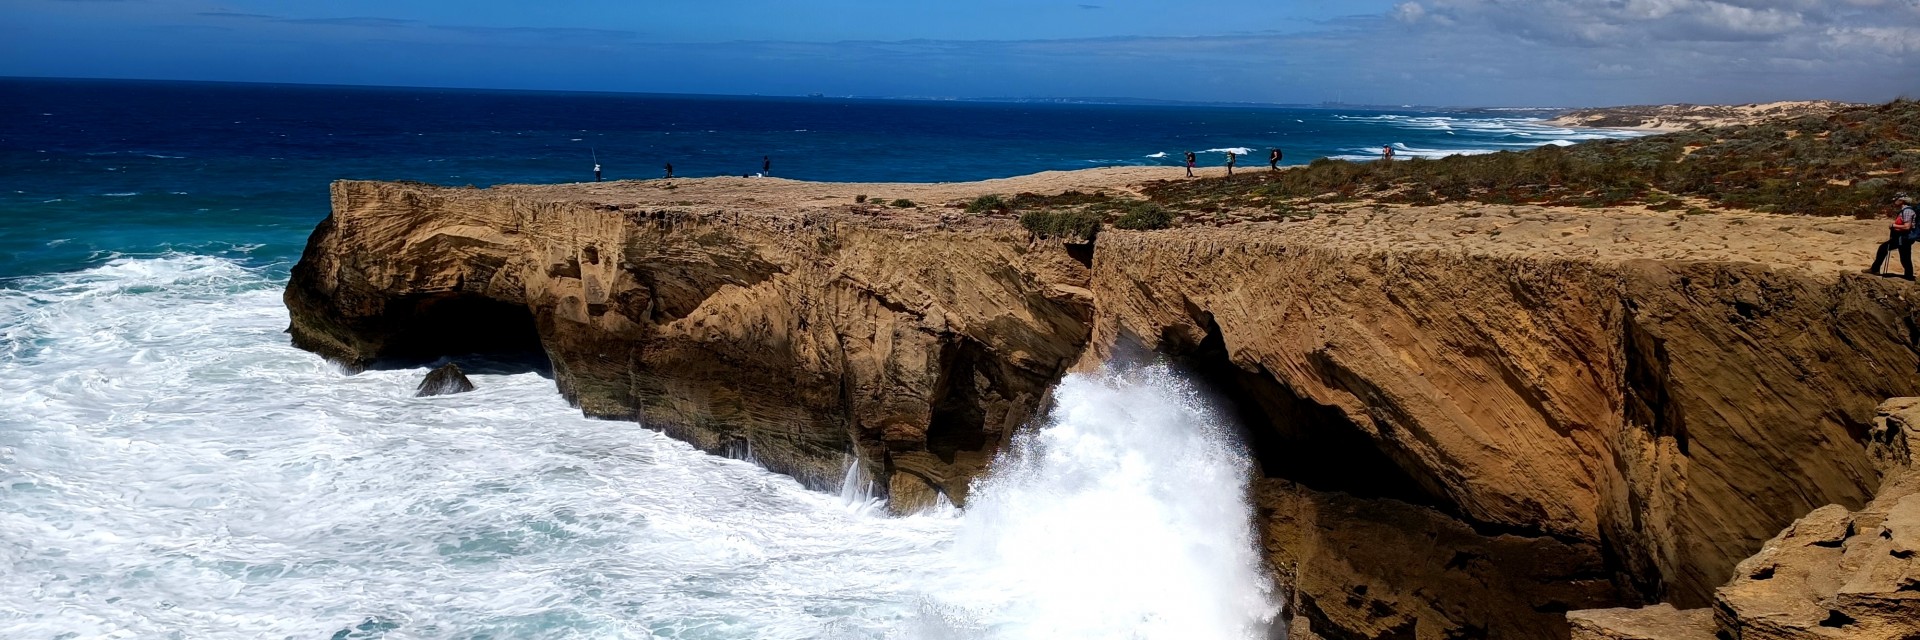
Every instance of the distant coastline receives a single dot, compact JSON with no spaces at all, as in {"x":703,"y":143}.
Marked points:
{"x":1685,"y":117}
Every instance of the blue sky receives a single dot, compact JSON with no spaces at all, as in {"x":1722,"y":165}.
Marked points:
{"x":1453,"y":52}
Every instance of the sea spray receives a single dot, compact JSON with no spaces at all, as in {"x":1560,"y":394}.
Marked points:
{"x":171,"y":468}
{"x":1124,"y":516}
{"x":856,"y":488}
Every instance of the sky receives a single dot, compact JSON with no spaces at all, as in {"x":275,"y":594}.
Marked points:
{"x":1427,"y":52}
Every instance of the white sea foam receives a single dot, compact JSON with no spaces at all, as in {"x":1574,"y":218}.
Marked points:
{"x":1125,"y":517}
{"x":1242,"y":151}
{"x":1161,"y":154}
{"x":170,"y":467}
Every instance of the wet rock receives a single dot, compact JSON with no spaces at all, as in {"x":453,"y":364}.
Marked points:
{"x":446,"y":380}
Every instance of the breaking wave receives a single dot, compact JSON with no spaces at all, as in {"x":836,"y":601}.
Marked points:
{"x":1125,"y":516}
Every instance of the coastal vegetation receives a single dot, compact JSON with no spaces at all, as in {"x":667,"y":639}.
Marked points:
{"x":1076,"y":214}
{"x":1140,"y":216}
{"x":1062,"y":223}
{"x":1844,"y":165}
{"x":990,"y":203}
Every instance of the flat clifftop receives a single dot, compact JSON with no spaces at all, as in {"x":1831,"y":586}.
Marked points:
{"x":1598,"y":234}
{"x":780,"y":195}
{"x":1469,"y":419}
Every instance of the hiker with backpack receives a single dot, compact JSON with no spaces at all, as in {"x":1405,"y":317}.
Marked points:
{"x":1900,"y":238}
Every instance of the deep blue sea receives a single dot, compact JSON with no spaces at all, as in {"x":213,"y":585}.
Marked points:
{"x":91,"y":169}
{"x":171,"y":468}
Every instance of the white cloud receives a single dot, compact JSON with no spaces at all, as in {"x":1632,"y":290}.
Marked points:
{"x":1409,"y":12}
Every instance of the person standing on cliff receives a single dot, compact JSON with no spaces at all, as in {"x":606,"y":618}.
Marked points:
{"x":669,"y":170}
{"x":1230,"y":158}
{"x":1900,"y":237}
{"x":1190,"y":164}
{"x":596,"y":172}
{"x":1273,"y":159}
{"x":766,"y":165}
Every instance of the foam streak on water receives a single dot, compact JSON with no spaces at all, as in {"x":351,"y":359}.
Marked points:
{"x":170,"y":468}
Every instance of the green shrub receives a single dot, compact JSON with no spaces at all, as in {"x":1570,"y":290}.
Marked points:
{"x":903,"y":203}
{"x":990,"y":203}
{"x":1142,"y":216}
{"x":1081,"y":225}
{"x":1026,"y":201}
{"x":1848,"y":164}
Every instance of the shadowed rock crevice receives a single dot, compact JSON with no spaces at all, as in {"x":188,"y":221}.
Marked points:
{"x":1291,"y":437}
{"x":1648,"y":401}
{"x":959,"y":407}
{"x":429,"y":327}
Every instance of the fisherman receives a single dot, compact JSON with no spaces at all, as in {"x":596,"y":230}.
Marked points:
{"x":669,"y":170}
{"x":1190,"y":164}
{"x":766,"y":165}
{"x":1273,"y":159}
{"x":1230,"y":159}
{"x":1900,"y":237}
{"x":596,"y":172}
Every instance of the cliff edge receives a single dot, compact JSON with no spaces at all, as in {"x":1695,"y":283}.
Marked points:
{"x":1469,"y":419}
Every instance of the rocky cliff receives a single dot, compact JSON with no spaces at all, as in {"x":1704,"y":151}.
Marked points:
{"x":1835,"y":573}
{"x":1469,"y":421}
{"x":796,"y":340}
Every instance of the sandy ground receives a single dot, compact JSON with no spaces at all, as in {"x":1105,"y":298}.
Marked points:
{"x":1682,"y":117}
{"x":1610,"y":234}
{"x":781,"y":192}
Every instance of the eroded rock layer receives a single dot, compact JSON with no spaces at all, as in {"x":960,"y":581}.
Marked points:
{"x":1833,"y":574}
{"x":1525,"y":431}
{"x":1669,"y":415}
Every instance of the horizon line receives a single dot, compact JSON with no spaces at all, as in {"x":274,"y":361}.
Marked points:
{"x":1088,"y":100}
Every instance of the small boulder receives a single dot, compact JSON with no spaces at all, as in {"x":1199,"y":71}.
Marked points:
{"x":445,"y":380}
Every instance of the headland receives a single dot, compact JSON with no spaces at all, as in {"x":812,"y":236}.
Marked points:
{"x":1475,"y":407}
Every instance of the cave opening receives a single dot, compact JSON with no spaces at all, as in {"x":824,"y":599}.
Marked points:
{"x":480,"y":334}
{"x":959,"y":417}
{"x":1291,"y":437}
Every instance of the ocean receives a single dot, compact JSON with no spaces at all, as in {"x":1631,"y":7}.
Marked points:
{"x":171,"y":468}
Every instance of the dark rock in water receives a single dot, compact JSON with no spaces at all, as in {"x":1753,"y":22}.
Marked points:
{"x":445,"y":380}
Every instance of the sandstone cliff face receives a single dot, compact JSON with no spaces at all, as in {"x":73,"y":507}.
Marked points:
{"x":1834,"y":573}
{"x":1666,"y":415}
{"x":798,"y":341}
{"x":1460,"y":441}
